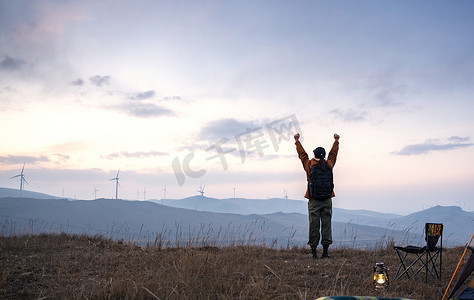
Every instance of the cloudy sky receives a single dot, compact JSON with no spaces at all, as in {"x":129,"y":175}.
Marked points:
{"x":179,"y":94}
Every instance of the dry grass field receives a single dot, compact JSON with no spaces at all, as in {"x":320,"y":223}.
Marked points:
{"x":64,"y":266}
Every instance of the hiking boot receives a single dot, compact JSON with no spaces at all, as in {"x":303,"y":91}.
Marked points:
{"x":313,"y":251}
{"x":325,"y":252}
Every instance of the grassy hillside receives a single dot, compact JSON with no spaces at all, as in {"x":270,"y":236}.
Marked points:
{"x":6,"y":192}
{"x":66,"y":266}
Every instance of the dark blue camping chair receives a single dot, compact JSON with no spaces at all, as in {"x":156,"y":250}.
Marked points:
{"x":414,"y":259}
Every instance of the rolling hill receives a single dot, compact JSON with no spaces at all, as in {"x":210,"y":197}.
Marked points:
{"x":281,"y":221}
{"x":274,"y":205}
{"x":6,"y":192}
{"x":144,"y":222}
{"x":458,"y":223}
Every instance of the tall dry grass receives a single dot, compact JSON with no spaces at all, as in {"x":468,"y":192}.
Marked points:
{"x":65,"y":266}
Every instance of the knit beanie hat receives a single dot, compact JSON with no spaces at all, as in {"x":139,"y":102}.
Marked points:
{"x":319,"y":152}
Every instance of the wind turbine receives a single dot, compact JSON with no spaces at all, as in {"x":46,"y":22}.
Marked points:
{"x":117,"y":184}
{"x":144,"y":194}
{"x":95,"y":192}
{"x":201,"y":190}
{"x":22,"y":178}
{"x":164,"y":192}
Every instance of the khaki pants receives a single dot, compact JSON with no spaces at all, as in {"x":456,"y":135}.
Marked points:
{"x":320,"y":213}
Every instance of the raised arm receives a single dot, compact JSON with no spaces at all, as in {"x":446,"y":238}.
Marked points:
{"x":332,"y":156}
{"x":302,"y":153}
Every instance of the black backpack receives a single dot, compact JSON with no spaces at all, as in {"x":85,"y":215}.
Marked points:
{"x":320,"y":185}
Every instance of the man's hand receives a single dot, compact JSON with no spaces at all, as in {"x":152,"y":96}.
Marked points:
{"x":336,"y":137}
{"x":297,"y":137}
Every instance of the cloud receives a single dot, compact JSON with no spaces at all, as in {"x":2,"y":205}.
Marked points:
{"x":78,"y":82}
{"x":433,"y":145}
{"x":74,"y":146}
{"x":145,"y":110}
{"x":458,"y":139}
{"x":387,"y":94}
{"x":42,"y":20}
{"x":61,"y":157}
{"x":100,"y":80}
{"x":171,"y":98}
{"x":138,"y":154}
{"x":388,"y":97}
{"x":58,"y":175}
{"x":349,"y":115}
{"x":143,"y":96}
{"x":222,"y":128}
{"x":18,"y":159}
{"x":11,"y":64}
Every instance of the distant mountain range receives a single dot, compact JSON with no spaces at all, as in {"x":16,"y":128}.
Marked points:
{"x":458,"y":224}
{"x":274,"y":205}
{"x":277,"y":222}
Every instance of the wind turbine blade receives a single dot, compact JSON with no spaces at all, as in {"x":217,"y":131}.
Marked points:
{"x":24,"y":180}
{"x":15,"y":176}
{"x":117,"y":173}
{"x":22,"y":169}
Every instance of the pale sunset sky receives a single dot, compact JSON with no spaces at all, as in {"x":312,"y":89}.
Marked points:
{"x":179,"y":94}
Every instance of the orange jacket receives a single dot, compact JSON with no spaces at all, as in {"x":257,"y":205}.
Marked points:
{"x":308,"y":163}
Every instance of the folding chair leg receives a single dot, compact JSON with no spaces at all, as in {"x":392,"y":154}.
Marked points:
{"x":402,"y":264}
{"x":410,"y":266}
{"x":431,"y":266}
